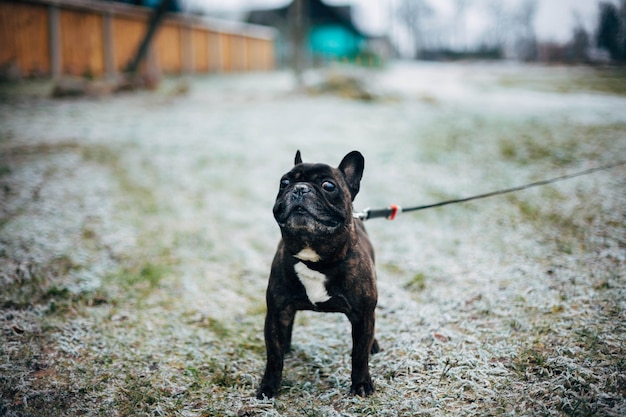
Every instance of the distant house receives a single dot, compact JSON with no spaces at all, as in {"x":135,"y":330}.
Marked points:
{"x":174,"y":5}
{"x":330,"y":33}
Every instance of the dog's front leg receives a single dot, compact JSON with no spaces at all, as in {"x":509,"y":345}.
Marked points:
{"x":362,"y":342}
{"x":278,"y":326}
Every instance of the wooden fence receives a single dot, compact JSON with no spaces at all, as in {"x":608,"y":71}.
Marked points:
{"x":96,"y":38}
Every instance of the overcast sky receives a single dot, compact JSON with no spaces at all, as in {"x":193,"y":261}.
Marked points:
{"x":554,"y":19}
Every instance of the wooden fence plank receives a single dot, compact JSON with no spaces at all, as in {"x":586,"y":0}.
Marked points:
{"x":226,"y":52}
{"x":200,"y":44}
{"x":127,"y":33}
{"x":167,"y":48}
{"x":238,"y":44}
{"x":82,"y":47}
{"x":94,"y":38}
{"x":215,"y":52}
{"x":24,"y":31}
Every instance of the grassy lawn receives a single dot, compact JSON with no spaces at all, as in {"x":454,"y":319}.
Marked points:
{"x":136,"y":237}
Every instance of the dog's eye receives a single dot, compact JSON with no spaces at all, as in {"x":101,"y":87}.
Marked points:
{"x":328,"y":186}
{"x":284,"y":183}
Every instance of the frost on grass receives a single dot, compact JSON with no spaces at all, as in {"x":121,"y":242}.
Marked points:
{"x":136,"y":237}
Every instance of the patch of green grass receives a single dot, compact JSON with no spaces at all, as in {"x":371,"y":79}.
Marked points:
{"x":370,"y":406}
{"x":37,"y":286}
{"x":39,"y":88}
{"x":17,"y":150}
{"x":392,"y":268}
{"x":538,"y":145}
{"x":100,"y":154}
{"x":225,"y":375}
{"x":607,"y":81}
{"x":146,"y":276}
{"x":417,"y":282}
{"x":570,"y":80}
{"x":140,"y":197}
{"x":566,"y":372}
{"x":137,"y":396}
{"x":445,"y":138}
{"x":532,"y":360}
{"x":564,"y":230}
{"x":564,"y":382}
{"x":530,"y":142}
{"x":217,"y":327}
{"x":560,"y":144}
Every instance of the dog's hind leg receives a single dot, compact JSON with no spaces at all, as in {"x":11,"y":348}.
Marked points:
{"x":289,"y":331}
{"x":375,"y":347}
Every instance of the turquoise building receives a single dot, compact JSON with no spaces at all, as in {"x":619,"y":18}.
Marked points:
{"x":330,"y":33}
{"x":335,"y":41}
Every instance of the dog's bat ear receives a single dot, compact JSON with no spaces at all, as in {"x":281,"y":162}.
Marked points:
{"x":352,"y":166}
{"x":298,"y":160}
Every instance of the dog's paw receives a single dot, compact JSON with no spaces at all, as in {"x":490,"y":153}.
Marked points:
{"x":266,"y":392}
{"x":362,"y":389}
{"x":375,"y":347}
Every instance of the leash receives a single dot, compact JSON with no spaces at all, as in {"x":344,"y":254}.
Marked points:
{"x":393,"y":210}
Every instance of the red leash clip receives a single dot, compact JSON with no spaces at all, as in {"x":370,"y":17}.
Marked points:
{"x":394,"y":211}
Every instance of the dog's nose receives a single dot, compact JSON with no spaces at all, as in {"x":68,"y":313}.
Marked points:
{"x":300,"y":189}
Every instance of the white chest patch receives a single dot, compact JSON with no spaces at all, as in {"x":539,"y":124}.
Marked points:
{"x":314,"y":283}
{"x":308,"y":254}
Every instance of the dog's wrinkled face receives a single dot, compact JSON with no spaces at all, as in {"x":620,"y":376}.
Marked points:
{"x":317,"y":198}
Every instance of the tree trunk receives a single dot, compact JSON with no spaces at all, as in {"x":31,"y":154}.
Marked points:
{"x":297,"y":26}
{"x":142,"y":50}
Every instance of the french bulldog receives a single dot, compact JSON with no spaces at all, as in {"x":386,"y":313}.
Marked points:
{"x":324,"y":262}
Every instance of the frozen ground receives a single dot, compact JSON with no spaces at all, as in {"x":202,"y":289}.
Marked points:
{"x":136,"y":236}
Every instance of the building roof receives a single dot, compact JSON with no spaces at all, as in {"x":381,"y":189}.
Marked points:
{"x":317,"y":12}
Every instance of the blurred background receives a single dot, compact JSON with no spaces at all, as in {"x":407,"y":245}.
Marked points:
{"x":531,"y":30}
{"x":103,"y":39}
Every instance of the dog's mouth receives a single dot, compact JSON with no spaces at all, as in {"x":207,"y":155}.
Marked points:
{"x":299,"y":216}
{"x":299,"y":210}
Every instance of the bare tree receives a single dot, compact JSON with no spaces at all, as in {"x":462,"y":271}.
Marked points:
{"x":580,"y":42}
{"x":142,"y":49}
{"x":496,"y":34}
{"x":526,"y":43}
{"x":413,"y":13}
{"x":612,"y":30}
{"x":297,"y":26}
{"x":460,"y":31}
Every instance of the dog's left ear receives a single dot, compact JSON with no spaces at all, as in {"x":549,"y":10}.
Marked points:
{"x":298,"y":159}
{"x":352,"y":166}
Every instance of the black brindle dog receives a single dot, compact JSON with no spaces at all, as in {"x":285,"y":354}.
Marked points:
{"x":324,"y":262}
